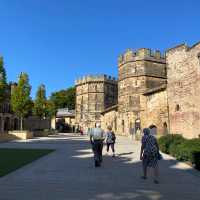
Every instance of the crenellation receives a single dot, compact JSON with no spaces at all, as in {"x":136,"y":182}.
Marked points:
{"x":141,"y":54}
{"x":95,"y":78}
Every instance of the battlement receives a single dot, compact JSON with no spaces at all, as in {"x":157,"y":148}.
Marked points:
{"x":95,"y":78}
{"x":141,"y":54}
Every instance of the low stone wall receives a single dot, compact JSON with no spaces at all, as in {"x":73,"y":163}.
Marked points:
{"x":5,"y":137}
{"x":34,"y":123}
{"x":24,"y":135}
{"x":40,"y":133}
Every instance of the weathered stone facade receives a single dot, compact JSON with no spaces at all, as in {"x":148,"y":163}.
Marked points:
{"x":184,"y":90}
{"x":156,"y":111}
{"x":93,"y":95}
{"x":109,"y":117}
{"x":153,"y":91}
{"x":138,"y":72}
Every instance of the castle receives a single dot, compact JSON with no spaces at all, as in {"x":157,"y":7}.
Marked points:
{"x":152,"y":90}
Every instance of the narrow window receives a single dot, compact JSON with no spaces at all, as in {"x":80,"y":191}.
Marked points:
{"x":122,"y":125}
{"x":177,"y":107}
{"x":198,"y":57}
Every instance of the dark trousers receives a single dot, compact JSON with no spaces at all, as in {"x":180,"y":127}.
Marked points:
{"x":97,"y":149}
{"x":112,"y":147}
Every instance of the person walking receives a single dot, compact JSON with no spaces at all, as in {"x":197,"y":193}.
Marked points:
{"x":81,"y":131}
{"x":149,"y":154}
{"x":110,"y":140}
{"x":96,"y":139}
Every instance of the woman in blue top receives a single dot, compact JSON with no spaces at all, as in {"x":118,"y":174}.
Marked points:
{"x":110,"y":140}
{"x":149,"y":154}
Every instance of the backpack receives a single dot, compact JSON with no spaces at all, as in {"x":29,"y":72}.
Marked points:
{"x":113,"y":136}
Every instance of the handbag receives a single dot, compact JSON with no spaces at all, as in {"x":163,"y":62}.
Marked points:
{"x":160,"y":157}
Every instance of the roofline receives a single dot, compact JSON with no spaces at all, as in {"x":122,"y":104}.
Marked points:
{"x":185,"y":45}
{"x":155,"y":90}
{"x":110,"y":108}
{"x":177,"y":46}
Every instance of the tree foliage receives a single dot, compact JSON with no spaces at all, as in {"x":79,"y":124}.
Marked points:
{"x":40,"y":103}
{"x":64,"y":98}
{"x":20,"y":97}
{"x":50,"y":109}
{"x":3,"y":81}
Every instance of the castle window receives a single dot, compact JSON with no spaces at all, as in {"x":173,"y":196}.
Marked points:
{"x":122,"y":125}
{"x":198,"y":57}
{"x":177,"y":107}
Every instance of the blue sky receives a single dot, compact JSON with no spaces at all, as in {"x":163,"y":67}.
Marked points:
{"x":57,"y":41}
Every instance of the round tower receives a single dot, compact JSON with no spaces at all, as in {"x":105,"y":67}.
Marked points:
{"x":138,"y":71}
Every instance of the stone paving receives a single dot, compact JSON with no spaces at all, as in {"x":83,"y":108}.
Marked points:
{"x":69,"y":174}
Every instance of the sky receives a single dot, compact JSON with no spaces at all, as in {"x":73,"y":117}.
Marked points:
{"x":58,"y":41}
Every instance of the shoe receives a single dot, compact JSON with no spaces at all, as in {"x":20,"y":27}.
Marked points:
{"x":113,"y":155}
{"x":97,"y":164}
{"x":156,"y":181}
{"x":143,"y":177}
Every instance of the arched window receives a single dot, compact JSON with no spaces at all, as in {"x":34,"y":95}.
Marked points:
{"x":177,"y":107}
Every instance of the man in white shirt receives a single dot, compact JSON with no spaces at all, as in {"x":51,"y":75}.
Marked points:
{"x":96,"y":139}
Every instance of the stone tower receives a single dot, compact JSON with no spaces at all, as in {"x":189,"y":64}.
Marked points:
{"x":93,"y":95}
{"x":138,"y":72}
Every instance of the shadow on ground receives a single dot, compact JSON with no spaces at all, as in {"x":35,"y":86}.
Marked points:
{"x":75,"y":176}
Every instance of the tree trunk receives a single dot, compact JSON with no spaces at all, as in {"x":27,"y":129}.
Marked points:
{"x":21,"y":123}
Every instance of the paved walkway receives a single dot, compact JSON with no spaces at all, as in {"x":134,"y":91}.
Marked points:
{"x":69,"y":174}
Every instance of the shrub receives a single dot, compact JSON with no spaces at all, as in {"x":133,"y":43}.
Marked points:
{"x":164,"y":143}
{"x":168,"y":143}
{"x":177,"y":140}
{"x":189,"y":150}
{"x":182,"y":149}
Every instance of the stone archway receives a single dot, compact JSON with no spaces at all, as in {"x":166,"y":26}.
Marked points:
{"x":165,"y":128}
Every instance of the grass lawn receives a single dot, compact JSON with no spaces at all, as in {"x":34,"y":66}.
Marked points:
{"x":12,"y":159}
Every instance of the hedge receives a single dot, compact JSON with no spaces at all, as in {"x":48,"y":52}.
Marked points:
{"x":169,"y":141}
{"x":181,"y":148}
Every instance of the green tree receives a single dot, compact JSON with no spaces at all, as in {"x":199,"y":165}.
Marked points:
{"x":3,"y":81}
{"x":50,"y":109}
{"x":40,"y":104}
{"x":20,"y":98}
{"x":64,"y":98}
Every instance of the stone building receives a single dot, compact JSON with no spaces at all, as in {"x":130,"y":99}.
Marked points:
{"x":93,"y":95}
{"x":184,"y":89}
{"x":64,"y":120}
{"x":156,"y":110}
{"x":8,"y":121}
{"x":154,"y":90}
{"x":139,"y":72}
{"x":109,"y":117}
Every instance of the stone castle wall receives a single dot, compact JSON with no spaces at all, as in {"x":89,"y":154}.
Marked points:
{"x":156,"y":111}
{"x":156,"y":90}
{"x":184,"y":90}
